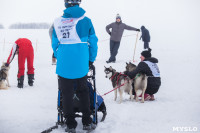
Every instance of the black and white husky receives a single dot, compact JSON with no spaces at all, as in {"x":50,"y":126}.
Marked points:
{"x":119,"y":80}
{"x":140,"y":82}
{"x":4,"y":83}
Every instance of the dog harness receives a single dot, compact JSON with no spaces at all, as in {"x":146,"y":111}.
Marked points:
{"x":121,"y":84}
{"x":117,"y":75}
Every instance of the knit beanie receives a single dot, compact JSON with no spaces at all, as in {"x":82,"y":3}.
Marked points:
{"x":146,"y":54}
{"x":118,"y":16}
{"x":70,"y":3}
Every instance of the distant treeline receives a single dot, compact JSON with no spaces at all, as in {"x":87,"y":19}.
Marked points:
{"x":1,"y":26}
{"x":30,"y":26}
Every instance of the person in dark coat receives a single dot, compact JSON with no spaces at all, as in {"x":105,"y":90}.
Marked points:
{"x":115,"y":36}
{"x":145,"y":37}
{"x":148,"y":66}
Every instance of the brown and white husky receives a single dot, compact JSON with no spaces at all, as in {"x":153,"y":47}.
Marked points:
{"x":4,"y":83}
{"x":121,"y":80}
{"x":140,"y":82}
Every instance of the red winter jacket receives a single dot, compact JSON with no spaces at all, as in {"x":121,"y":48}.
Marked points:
{"x":22,"y":45}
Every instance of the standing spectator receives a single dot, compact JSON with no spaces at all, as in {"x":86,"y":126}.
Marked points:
{"x":145,"y":37}
{"x":74,"y":43}
{"x":148,"y":66}
{"x":50,"y":34}
{"x":23,"y":47}
{"x":115,"y":36}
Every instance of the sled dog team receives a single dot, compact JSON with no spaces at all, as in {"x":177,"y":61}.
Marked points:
{"x":142,"y":80}
{"x":122,"y":82}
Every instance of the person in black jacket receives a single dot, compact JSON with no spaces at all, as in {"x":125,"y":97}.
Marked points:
{"x":145,"y":37}
{"x":115,"y":30}
{"x":148,"y":66}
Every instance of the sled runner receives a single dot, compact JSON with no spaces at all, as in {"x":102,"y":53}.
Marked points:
{"x":96,"y":104}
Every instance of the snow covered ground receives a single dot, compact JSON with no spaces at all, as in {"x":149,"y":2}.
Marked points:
{"x":175,"y":42}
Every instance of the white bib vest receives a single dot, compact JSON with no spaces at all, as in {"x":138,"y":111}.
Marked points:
{"x":154,"y":68}
{"x":66,"y":30}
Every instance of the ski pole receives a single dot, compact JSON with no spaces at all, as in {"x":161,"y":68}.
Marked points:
{"x":135,"y":47}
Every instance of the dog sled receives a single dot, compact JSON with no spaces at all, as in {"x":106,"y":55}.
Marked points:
{"x":96,"y":104}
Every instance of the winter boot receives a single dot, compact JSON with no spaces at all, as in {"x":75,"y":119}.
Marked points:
{"x":70,"y":130}
{"x":89,"y":127}
{"x":30,"y":79}
{"x":146,"y":97}
{"x":53,"y":61}
{"x":110,"y":61}
{"x":20,"y":82}
{"x":152,"y":98}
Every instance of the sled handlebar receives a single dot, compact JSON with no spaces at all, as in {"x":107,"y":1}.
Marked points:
{"x":92,"y":67}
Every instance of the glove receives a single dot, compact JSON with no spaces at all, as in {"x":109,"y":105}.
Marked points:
{"x":126,"y":73}
{"x":6,"y":64}
{"x":90,"y":64}
{"x":138,"y":30}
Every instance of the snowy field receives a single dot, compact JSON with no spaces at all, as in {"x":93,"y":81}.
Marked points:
{"x":175,"y":42}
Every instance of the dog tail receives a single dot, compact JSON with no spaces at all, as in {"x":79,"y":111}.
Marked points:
{"x":139,"y":92}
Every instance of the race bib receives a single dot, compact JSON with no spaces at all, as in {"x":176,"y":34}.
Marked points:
{"x":66,"y":30}
{"x":154,"y":68}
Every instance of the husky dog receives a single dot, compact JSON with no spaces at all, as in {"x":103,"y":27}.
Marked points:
{"x":140,"y":82}
{"x":4,"y":83}
{"x":121,"y":80}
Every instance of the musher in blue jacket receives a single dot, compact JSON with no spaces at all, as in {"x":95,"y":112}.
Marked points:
{"x":75,"y":46}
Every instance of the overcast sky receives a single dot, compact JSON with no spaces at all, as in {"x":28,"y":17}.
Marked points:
{"x":102,"y":12}
{"x":12,"y":11}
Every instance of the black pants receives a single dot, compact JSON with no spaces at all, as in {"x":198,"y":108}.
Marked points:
{"x":114,"y":46}
{"x":67,"y":89}
{"x":146,"y":45}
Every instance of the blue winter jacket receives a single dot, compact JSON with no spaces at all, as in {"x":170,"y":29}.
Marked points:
{"x":73,"y":60}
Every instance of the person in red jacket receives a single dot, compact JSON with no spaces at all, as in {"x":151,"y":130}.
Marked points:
{"x":23,"y":47}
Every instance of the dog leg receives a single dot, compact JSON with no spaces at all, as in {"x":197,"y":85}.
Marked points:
{"x":144,"y":89}
{"x":131,"y":95}
{"x":3,"y":86}
{"x":136,"y":96}
{"x":115,"y":95}
{"x":143,"y":96}
{"x":8,"y":82}
{"x":120,"y":93}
